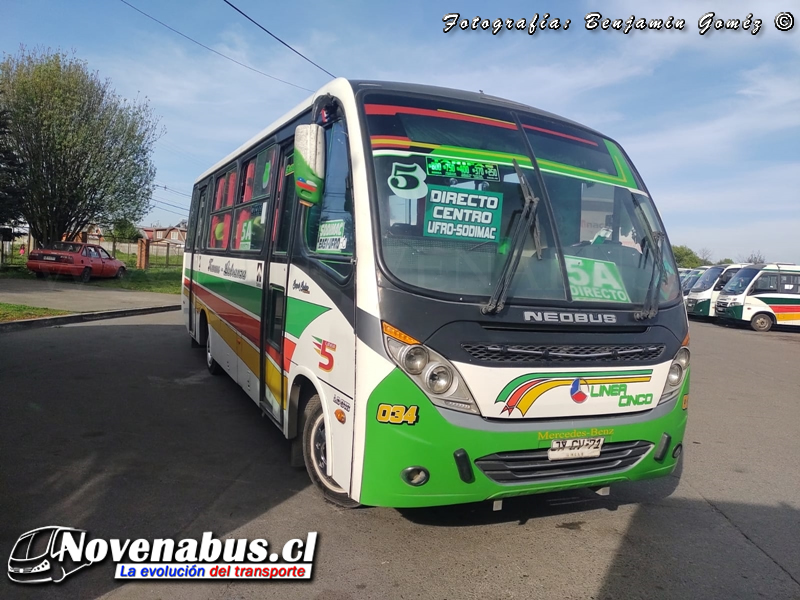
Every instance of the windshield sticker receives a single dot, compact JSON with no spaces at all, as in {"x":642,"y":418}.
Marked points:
{"x":595,"y":280}
{"x":332,"y":238}
{"x":408,"y":181}
{"x":463,"y":169}
{"x":464,"y":215}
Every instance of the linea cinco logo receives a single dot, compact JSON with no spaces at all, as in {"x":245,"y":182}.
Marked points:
{"x":49,"y":554}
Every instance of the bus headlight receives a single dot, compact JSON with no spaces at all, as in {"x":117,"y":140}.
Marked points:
{"x":414,"y":359}
{"x":439,"y":380}
{"x":676,"y":375}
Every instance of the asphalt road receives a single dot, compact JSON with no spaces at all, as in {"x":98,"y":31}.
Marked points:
{"x":65,"y":294}
{"x":116,"y":427}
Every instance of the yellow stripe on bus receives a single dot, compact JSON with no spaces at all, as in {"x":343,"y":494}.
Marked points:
{"x":247,"y":353}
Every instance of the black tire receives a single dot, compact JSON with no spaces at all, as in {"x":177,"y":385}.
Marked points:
{"x":761,"y":322}
{"x":120,"y":273}
{"x":315,"y":454}
{"x":85,"y":275}
{"x":40,"y":275}
{"x":213,"y":366}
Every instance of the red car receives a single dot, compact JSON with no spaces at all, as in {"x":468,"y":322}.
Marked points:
{"x":82,"y":261}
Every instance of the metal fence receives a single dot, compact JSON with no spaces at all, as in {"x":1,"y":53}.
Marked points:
{"x":162,"y":254}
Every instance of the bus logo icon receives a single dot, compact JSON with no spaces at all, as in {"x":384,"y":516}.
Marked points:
{"x":38,"y":556}
{"x":575,"y":391}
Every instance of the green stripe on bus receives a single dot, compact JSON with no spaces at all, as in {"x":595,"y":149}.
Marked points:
{"x":300,"y":314}
{"x":780,"y":301}
{"x":244,"y":296}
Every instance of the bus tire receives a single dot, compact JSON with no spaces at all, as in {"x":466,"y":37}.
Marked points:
{"x":761,"y":322}
{"x":315,"y":454}
{"x":213,"y":366}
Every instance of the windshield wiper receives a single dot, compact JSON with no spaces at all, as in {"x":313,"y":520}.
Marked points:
{"x":498,"y":298}
{"x":654,"y":239}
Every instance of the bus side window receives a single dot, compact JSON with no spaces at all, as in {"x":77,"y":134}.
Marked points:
{"x":329,"y":226}
{"x":767,"y":282}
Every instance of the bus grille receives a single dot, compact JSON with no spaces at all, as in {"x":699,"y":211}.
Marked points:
{"x":520,"y":353}
{"x":526,"y":466}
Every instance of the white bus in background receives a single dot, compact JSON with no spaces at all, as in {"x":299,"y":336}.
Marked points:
{"x":762,"y":295}
{"x":702,"y":298}
{"x":691,"y":279}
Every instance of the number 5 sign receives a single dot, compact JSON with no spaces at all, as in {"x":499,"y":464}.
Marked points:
{"x":408,"y":181}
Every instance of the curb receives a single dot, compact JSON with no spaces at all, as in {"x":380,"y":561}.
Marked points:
{"x":83,"y":317}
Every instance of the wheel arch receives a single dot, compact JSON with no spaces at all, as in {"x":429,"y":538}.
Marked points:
{"x":301,"y":390}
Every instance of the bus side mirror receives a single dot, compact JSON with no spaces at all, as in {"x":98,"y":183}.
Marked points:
{"x":309,"y":163}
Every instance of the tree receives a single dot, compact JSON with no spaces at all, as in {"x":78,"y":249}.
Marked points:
{"x":123,"y":229}
{"x":686,"y":258}
{"x":754,"y":257}
{"x":10,"y":171}
{"x":705,"y":255}
{"x":86,"y":151}
{"x":726,"y":261}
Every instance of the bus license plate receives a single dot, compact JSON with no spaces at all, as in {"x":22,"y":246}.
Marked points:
{"x":575,"y":448}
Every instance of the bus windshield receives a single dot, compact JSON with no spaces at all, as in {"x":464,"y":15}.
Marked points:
{"x":738,"y":284}
{"x":708,"y":279}
{"x":449,"y":199}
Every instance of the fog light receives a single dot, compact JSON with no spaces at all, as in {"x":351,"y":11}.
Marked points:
{"x":415,"y":476}
{"x":677,"y":452}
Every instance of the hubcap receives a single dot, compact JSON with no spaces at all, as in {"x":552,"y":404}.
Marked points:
{"x":320,"y":455}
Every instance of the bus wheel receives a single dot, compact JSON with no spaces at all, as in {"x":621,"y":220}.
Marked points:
{"x":315,"y":455}
{"x":213,"y":366}
{"x":761,"y":322}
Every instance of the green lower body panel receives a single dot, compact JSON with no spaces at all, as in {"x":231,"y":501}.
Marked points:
{"x":701,"y":309}
{"x":432,"y":440}
{"x":734,"y":313}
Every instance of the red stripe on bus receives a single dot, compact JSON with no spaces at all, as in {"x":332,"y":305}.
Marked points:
{"x":385,"y":109}
{"x":785,"y":308}
{"x":288,"y":352}
{"x":564,"y":135}
{"x":241,"y":322}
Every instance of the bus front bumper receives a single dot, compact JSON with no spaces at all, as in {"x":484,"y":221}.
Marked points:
{"x":471,"y":459}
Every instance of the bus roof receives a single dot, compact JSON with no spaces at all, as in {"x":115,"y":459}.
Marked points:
{"x":387,"y":86}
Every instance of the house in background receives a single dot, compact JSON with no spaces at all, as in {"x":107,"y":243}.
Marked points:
{"x":174,"y":234}
{"x":91,"y":234}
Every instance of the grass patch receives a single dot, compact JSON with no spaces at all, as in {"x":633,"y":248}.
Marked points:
{"x":163,"y":281}
{"x":15,"y":312}
{"x":157,"y":261}
{"x":7,"y":272}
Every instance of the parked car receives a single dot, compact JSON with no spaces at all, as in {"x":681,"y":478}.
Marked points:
{"x":82,"y":261}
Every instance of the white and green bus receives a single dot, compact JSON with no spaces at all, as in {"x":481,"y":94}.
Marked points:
{"x":763,"y":295}
{"x":702,"y":298}
{"x":442,"y":297}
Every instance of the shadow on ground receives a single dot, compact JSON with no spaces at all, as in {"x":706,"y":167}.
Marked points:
{"x":120,"y":430}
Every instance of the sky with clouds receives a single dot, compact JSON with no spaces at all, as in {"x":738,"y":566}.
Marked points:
{"x":710,"y":121}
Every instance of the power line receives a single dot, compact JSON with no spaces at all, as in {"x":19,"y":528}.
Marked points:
{"x":277,"y":38}
{"x":169,"y":211}
{"x":171,"y":190}
{"x":160,"y":201}
{"x":214,"y":51}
